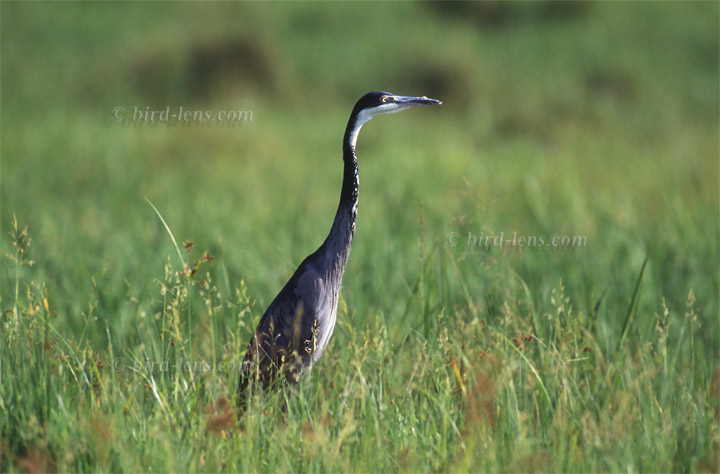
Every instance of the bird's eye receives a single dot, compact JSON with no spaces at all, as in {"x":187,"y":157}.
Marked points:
{"x":384,"y":99}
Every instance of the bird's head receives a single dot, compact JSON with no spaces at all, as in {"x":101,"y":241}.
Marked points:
{"x":380,"y":102}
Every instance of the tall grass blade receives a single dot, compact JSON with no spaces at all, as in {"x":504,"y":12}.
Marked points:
{"x":170,"y":233}
{"x":631,"y":307}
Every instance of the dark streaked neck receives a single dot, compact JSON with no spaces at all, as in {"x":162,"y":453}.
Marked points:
{"x":351,"y":179}
{"x":337,"y":245}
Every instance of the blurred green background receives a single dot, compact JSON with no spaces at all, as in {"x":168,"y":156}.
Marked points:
{"x":596,"y":119}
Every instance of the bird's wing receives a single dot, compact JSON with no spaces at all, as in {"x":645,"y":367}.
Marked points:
{"x":291,"y":326}
{"x":311,"y":301}
{"x":319,"y":292}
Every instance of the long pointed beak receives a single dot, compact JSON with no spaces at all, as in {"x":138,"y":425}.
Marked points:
{"x":405,"y":101}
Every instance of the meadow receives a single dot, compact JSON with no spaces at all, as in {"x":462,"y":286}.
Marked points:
{"x":138,"y":255}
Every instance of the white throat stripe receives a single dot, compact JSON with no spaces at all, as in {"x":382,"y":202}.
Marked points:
{"x":367,"y":115}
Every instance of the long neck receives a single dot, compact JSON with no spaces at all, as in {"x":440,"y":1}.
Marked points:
{"x":337,"y":245}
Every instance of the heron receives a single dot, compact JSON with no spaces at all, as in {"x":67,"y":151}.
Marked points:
{"x":296,"y":328}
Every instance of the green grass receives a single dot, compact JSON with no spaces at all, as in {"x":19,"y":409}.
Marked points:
{"x":598,"y":120}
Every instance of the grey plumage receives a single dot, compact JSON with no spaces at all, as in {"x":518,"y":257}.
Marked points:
{"x":298,"y":324}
